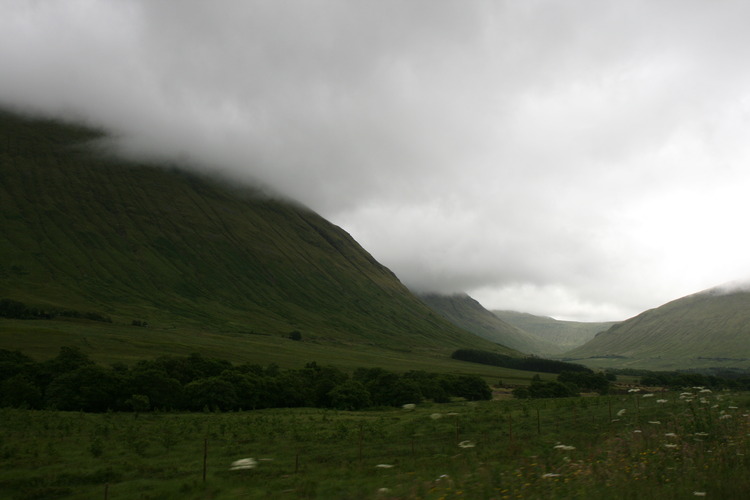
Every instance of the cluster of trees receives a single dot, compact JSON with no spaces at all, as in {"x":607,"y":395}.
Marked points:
{"x":679,"y":380}
{"x":568,"y":384}
{"x":531,"y":363}
{"x":18,"y":310}
{"x":72,"y":381}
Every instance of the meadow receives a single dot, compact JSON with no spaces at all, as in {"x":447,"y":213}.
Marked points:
{"x":634,"y":445}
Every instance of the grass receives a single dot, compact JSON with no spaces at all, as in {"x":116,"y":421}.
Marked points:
{"x":569,"y":448}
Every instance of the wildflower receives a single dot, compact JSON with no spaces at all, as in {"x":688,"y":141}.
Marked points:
{"x":638,"y":431}
{"x":634,"y":390}
{"x":564,"y":447}
{"x":384,"y":466}
{"x":655,"y":422}
{"x":701,"y":433}
{"x":384,"y":490}
{"x":705,"y":390}
{"x":670,"y":446}
{"x":436,"y":416}
{"x":649,"y":395}
{"x":732,"y":407}
{"x":243,"y":463}
{"x":699,"y":493}
{"x":685,"y":394}
{"x":662,"y":401}
{"x":550,"y":474}
{"x":725,"y":416}
{"x":452,"y":414}
{"x":699,"y":388}
{"x":621,"y":412}
{"x":409,"y":406}
{"x":466,"y":444}
{"x":671,"y":434}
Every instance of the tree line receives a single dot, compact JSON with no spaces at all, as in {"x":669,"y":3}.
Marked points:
{"x":15,"y":309}
{"x":529,"y":363}
{"x":72,"y":381}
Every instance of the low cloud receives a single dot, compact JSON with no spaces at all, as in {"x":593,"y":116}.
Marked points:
{"x":584,"y":158}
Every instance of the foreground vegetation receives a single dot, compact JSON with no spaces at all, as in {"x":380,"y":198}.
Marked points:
{"x":636,"y":445}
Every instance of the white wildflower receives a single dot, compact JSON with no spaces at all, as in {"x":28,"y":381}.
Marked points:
{"x":384,"y":490}
{"x":452,"y":414}
{"x":384,"y":466}
{"x":699,"y":493}
{"x":564,"y":447}
{"x":243,"y":463}
{"x":661,"y":401}
{"x":705,"y":390}
{"x":436,"y":416}
{"x":685,"y":394}
{"x":655,"y":422}
{"x":638,"y":431}
{"x":732,"y":407}
{"x":699,"y":388}
{"x":409,"y":406}
{"x":466,"y":444}
{"x":634,"y":390}
{"x":550,"y":474}
{"x":725,"y":416}
{"x":670,"y":446}
{"x":621,"y":412}
{"x":701,"y":433}
{"x":671,"y":434}
{"x":649,"y":395}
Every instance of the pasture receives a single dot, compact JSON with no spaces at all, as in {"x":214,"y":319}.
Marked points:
{"x":636,"y":445}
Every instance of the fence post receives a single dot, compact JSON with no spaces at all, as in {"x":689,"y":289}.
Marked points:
{"x":205,"y":457}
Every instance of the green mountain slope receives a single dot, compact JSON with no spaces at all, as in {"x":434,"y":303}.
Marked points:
{"x":87,"y":233}
{"x":706,"y":329}
{"x":564,"y":335}
{"x":470,"y":315}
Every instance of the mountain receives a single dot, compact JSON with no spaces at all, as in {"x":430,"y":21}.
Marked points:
{"x":109,"y":238}
{"x":564,"y":335}
{"x":470,"y":315}
{"x":707,"y":329}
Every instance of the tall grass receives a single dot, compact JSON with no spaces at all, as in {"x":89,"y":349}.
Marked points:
{"x":665,"y":446}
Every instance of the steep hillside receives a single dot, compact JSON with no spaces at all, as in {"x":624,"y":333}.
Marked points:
{"x":707,"y":329}
{"x":565,"y":335}
{"x":86,"y":233}
{"x":470,"y":315}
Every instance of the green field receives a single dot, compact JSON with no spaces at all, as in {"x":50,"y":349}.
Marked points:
{"x":623,"y":446}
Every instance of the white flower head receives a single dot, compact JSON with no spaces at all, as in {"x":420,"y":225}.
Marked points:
{"x":550,"y":474}
{"x":634,"y":390}
{"x":671,"y":434}
{"x":564,"y":447}
{"x":621,"y":412}
{"x":466,"y":444}
{"x":384,"y":466}
{"x":672,"y":446}
{"x":436,"y":416}
{"x":649,"y":395}
{"x":243,"y":464}
{"x":409,"y":406}
{"x":661,"y":401}
{"x":655,"y":422}
{"x":699,"y":493}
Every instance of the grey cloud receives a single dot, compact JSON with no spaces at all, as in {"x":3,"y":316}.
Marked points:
{"x":547,"y":151}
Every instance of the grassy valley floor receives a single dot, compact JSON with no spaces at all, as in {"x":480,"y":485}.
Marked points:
{"x":639,"y":446}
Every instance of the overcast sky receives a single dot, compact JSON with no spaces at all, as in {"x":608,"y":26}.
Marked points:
{"x":579,"y":159}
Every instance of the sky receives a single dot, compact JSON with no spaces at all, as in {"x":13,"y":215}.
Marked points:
{"x":585,"y":160}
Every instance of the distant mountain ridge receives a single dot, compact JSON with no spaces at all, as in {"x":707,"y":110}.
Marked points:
{"x":564,"y":335}
{"x":85,"y":232}
{"x":470,"y":315}
{"x":706,"y":329}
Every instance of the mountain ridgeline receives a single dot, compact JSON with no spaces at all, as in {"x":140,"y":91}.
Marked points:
{"x":709,"y":329}
{"x":162,"y":247}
